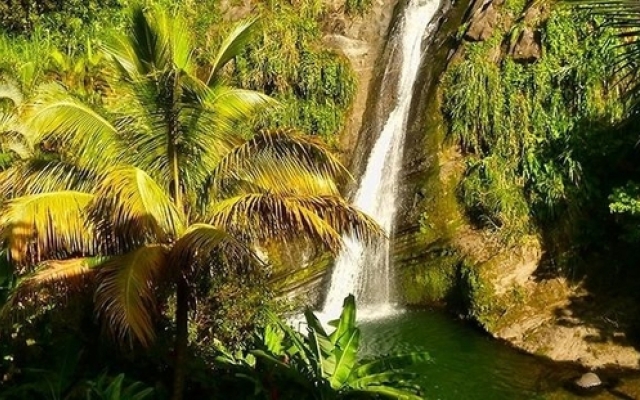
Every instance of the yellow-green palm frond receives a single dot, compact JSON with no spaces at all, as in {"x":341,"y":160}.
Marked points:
{"x":282,"y":176}
{"x":155,"y":42}
{"x":40,"y":176}
{"x":343,"y":217}
{"x":11,"y":91}
{"x":230,"y":105}
{"x":205,"y":244}
{"x":132,"y":209}
{"x":58,"y":275}
{"x":15,"y":137}
{"x":47,"y":225}
{"x":268,"y":216}
{"x":296,"y":163}
{"x":86,"y":136}
{"x":125,"y":296}
{"x":232,"y":45}
{"x":209,"y":118}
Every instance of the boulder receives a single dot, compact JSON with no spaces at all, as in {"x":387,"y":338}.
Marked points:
{"x":528,"y":48}
{"x":588,"y":380}
{"x":352,"y":48}
{"x":482,"y":23}
{"x":335,"y":23}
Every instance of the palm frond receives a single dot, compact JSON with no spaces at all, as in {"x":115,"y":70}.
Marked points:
{"x":209,"y":119}
{"x":89,"y":138}
{"x":293,"y":162}
{"x":623,"y":17}
{"x":61,"y":274}
{"x":66,"y":271}
{"x":156,"y":42}
{"x":231,"y":105}
{"x":131,"y":208}
{"x":282,"y":176}
{"x":15,"y":137}
{"x":267,"y":216}
{"x":233,"y":44}
{"x":11,"y":91}
{"x":47,"y":225}
{"x":125,"y":296}
{"x":36,"y":175}
{"x":205,"y":244}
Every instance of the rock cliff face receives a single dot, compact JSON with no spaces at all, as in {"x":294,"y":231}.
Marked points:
{"x":442,"y":258}
{"x":362,"y":39}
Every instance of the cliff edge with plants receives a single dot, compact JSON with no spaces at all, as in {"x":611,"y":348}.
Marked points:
{"x":511,"y":162}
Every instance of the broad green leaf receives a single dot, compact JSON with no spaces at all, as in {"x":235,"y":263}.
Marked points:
{"x":347,"y":321}
{"x":346,"y":356}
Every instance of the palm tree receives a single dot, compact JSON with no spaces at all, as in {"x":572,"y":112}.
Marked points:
{"x":161,"y":189}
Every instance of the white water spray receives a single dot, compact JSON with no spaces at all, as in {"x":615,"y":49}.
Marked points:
{"x":362,"y":270}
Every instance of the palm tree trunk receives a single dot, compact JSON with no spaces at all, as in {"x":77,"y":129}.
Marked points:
{"x":182,"y":336}
{"x":182,"y":295}
{"x":182,"y":298}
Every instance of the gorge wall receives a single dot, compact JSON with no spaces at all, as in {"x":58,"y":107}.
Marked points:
{"x":478,"y":246}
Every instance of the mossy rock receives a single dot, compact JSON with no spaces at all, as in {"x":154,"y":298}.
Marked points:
{"x":431,"y":281}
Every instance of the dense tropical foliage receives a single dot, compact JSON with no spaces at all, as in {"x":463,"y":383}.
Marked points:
{"x":138,"y":183}
{"x":321,"y":365}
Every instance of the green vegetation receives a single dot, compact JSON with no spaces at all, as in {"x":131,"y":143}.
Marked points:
{"x":314,"y":86}
{"x":135,"y":184}
{"x":324,"y":366}
{"x":530,"y":130}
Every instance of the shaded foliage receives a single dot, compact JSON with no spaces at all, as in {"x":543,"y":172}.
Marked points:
{"x":534,"y":132}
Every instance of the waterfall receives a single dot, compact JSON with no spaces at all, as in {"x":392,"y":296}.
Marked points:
{"x":365,"y":271}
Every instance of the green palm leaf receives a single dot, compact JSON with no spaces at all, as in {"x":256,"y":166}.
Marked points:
{"x":131,"y":208}
{"x":233,"y":44}
{"x":69,"y":273}
{"x":40,"y":176}
{"x":232,"y":105}
{"x":341,"y":216}
{"x":279,"y":154}
{"x":47,"y":225}
{"x":11,"y":91}
{"x":86,"y":135}
{"x":202,"y":244}
{"x":125,"y":296}
{"x":264,"y":216}
{"x":66,"y":271}
{"x":622,"y":16}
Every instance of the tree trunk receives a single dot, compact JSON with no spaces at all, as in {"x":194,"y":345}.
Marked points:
{"x":182,"y":295}
{"x":182,"y":338}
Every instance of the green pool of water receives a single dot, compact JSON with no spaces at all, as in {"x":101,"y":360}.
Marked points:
{"x":469,"y":365}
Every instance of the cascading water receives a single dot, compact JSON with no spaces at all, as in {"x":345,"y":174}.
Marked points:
{"x":365,"y":271}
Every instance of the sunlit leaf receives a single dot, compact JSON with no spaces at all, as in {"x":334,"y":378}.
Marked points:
{"x":126,"y":296}
{"x":47,"y":225}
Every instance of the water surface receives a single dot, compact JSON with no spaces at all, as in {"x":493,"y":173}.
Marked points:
{"x":469,"y":365}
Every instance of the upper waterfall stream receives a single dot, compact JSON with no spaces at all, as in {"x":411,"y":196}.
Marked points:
{"x":366,"y":271}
